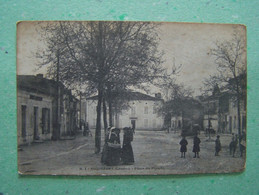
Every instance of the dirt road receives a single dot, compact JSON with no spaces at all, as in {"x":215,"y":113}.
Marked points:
{"x":154,"y":152}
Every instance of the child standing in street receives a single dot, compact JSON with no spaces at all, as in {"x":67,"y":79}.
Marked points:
{"x":217,"y":146}
{"x":183,"y":148}
{"x":196,"y":146}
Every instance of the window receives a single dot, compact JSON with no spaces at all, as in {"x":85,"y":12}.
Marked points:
{"x":145,"y":122}
{"x":145,"y":110}
{"x":133,"y":110}
{"x":154,"y":110}
{"x":154,"y":123}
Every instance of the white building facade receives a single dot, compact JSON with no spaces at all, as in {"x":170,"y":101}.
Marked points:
{"x":39,"y":116}
{"x":141,"y":114}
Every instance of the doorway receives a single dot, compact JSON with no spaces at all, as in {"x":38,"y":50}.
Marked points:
{"x":23,"y":122}
{"x":45,"y":120}
{"x":35,"y":123}
{"x":133,"y":124}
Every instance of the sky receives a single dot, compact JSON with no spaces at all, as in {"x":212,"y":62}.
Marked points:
{"x":185,"y":44}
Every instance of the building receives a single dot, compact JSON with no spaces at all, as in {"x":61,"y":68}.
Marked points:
{"x":140,"y":112}
{"x":45,"y":110}
{"x":190,"y":115}
{"x":220,"y":111}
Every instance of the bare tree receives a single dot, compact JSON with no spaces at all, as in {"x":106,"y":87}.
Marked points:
{"x":97,"y":54}
{"x":230,"y":57}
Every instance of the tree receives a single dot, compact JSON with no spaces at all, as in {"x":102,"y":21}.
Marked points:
{"x":100,"y":56}
{"x":174,"y":106}
{"x":230,"y":57}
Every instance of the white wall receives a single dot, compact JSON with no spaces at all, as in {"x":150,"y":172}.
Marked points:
{"x":144,"y":116}
{"x":23,"y":98}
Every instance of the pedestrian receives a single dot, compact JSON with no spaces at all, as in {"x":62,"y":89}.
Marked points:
{"x":196,"y":146}
{"x":127,"y":156}
{"x":217,"y":146}
{"x":183,"y":148}
{"x":113,"y":147}
{"x":233,"y":145}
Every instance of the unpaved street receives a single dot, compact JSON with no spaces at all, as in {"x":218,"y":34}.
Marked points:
{"x":154,"y":152}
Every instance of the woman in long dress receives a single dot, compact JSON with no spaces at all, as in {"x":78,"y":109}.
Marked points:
{"x":113,"y":148}
{"x":127,"y":152}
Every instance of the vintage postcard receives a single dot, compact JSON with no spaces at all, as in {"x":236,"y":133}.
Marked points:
{"x":130,"y":98}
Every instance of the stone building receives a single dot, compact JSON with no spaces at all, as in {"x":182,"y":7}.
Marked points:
{"x":45,"y":110}
{"x":221,"y":112}
{"x":190,"y":115}
{"x":140,"y":112}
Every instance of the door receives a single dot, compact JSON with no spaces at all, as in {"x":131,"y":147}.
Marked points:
{"x":35,"y":123}
{"x":24,"y":122}
{"x":45,"y":120}
{"x":133,"y":124}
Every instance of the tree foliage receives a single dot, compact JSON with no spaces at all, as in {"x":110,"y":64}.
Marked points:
{"x":102,"y":57}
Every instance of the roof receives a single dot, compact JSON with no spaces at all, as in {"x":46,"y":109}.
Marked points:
{"x":37,"y":84}
{"x":133,"y":96}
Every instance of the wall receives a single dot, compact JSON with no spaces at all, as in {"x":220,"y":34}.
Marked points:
{"x":143,"y":120}
{"x":23,"y":98}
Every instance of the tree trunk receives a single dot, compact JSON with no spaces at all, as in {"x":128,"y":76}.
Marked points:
{"x":98,"y":122}
{"x":238,"y":115}
{"x":104,"y":116}
{"x":110,"y":113}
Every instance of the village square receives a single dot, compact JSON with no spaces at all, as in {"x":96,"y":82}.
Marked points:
{"x":117,"y":98}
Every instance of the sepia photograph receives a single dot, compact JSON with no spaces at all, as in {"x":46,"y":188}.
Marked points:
{"x":131,"y":98}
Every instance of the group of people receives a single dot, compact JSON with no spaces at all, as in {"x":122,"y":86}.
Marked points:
{"x":196,"y":146}
{"x":234,"y":142}
{"x":197,"y":141}
{"x":113,"y":153}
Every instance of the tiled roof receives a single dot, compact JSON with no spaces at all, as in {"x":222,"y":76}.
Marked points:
{"x":37,"y":84}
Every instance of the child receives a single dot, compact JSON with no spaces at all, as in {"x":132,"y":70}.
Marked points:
{"x":217,"y":146}
{"x":183,"y":148}
{"x":196,"y":146}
